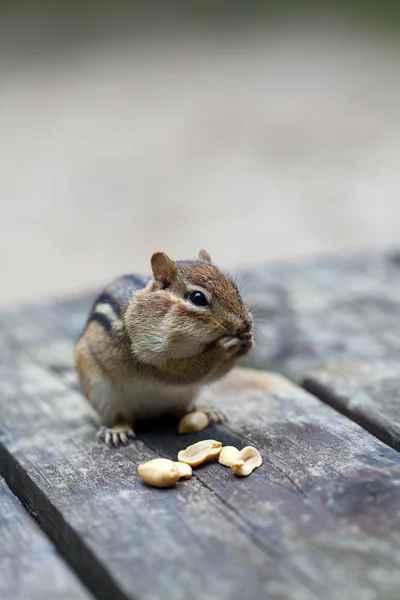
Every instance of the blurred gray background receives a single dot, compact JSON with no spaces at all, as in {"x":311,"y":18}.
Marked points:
{"x":262,"y":131}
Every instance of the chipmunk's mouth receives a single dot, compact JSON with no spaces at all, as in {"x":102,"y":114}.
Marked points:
{"x":244,"y":339}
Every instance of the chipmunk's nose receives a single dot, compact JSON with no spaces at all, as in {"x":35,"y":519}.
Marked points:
{"x":247,"y":326}
{"x":245,"y":330}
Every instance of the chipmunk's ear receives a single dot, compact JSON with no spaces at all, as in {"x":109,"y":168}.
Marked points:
{"x":164,"y":269}
{"x":204,"y":256}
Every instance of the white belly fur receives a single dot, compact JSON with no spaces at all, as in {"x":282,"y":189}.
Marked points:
{"x":139,"y":399}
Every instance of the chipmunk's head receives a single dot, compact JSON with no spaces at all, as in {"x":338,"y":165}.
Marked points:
{"x":186,"y":309}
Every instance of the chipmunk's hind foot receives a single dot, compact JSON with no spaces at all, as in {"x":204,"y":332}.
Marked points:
{"x":215,"y":415}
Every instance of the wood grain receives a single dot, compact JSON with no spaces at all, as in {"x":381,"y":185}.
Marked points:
{"x":30,"y":568}
{"x":333,"y":325}
{"x":326,"y":496}
{"x":126,"y":540}
{"x":319,"y":519}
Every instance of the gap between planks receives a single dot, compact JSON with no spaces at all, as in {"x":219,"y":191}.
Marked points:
{"x":328,"y":397}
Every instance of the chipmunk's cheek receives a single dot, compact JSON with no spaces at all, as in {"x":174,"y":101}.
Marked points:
{"x":185,"y":347}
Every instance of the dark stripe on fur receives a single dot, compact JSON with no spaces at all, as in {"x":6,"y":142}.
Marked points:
{"x":103,"y":320}
{"x":138,"y":282}
{"x":105,"y":298}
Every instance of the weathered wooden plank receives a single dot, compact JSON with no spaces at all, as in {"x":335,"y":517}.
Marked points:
{"x":310,"y":312}
{"x":328,"y":496}
{"x":318,"y":519}
{"x":334,"y":326}
{"x":366,"y":390}
{"x":126,"y":540}
{"x":30,"y":568}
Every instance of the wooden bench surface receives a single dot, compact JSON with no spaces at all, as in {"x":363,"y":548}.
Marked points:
{"x":319,"y":518}
{"x":29,"y":565}
{"x":335,"y":328}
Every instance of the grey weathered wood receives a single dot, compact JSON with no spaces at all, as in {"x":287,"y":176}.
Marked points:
{"x":126,"y":540}
{"x":334,"y":326}
{"x":30,"y":568}
{"x":327,"y":496}
{"x":367,"y":391}
{"x":318,"y":519}
{"x":309,"y":312}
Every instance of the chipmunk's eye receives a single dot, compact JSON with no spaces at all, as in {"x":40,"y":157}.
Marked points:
{"x":198,"y":299}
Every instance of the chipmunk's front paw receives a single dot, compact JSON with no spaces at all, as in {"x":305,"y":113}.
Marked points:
{"x":119,"y":435}
{"x":230,"y":343}
{"x":237,"y":346}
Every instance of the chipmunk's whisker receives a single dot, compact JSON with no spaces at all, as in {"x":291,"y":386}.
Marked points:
{"x":244,"y":281}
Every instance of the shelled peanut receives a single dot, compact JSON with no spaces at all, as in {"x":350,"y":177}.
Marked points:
{"x":162,"y":472}
{"x":193,"y":422}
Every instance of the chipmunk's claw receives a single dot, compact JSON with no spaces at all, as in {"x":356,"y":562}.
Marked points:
{"x":116,"y":436}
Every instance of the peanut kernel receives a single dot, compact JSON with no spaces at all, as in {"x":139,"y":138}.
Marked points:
{"x":246,"y":461}
{"x":159,"y":472}
{"x":200,"y":452}
{"x":184,"y":470}
{"x":194,"y":421}
{"x":228,"y":455}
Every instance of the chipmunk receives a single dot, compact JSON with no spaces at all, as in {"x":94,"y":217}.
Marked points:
{"x":150,"y":346}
